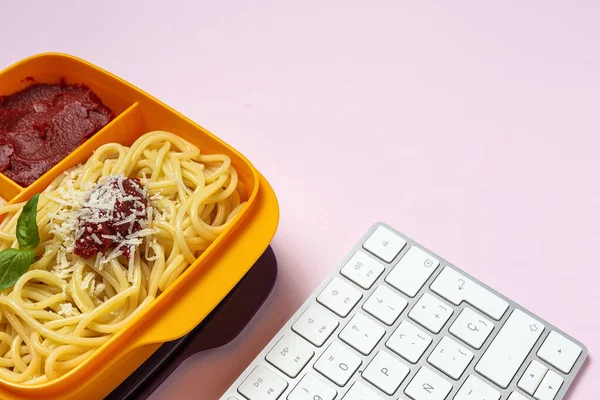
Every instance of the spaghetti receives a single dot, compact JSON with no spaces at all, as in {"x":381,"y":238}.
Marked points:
{"x":66,"y":306}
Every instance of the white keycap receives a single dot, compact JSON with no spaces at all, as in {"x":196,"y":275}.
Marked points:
{"x":509,"y":348}
{"x":549,"y":387}
{"x":386,"y":372}
{"x":409,"y":341}
{"x":311,"y":388}
{"x":431,"y":313}
{"x":475,"y":389}
{"x":559,"y":352}
{"x":457,"y":288}
{"x":412,"y":271}
{"x":362,"y":270}
{"x":263,"y":384}
{"x":472,"y":328}
{"x":532,"y":377}
{"x":339,"y":296}
{"x":427,"y":385}
{"x":338,"y":363}
{"x":385,"y":305}
{"x":362,"y":333}
{"x":290,"y":355}
{"x":517,"y":396}
{"x":360,"y":391}
{"x":450,"y":357}
{"x":316,"y":324}
{"x":384,"y":243}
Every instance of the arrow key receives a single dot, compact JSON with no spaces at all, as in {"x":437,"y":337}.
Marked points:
{"x":549,"y":387}
{"x":532,"y":377}
{"x":559,"y":352}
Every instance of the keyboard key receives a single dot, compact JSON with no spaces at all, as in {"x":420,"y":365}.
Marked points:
{"x":386,"y":372}
{"x":316,"y":325}
{"x":549,"y":387}
{"x":427,"y":385}
{"x":362,"y":270}
{"x":385,"y":305}
{"x":338,"y":363}
{"x":450,"y":357}
{"x":311,"y":388}
{"x":532,"y":377}
{"x":362,"y":333}
{"x":559,"y":352}
{"x":360,"y":391}
{"x":457,"y":288}
{"x":472,"y":328}
{"x":409,"y":342}
{"x":517,"y":396}
{"x":509,"y":348}
{"x":340,"y":297}
{"x":475,"y":389}
{"x":263,"y":384}
{"x":384,"y":244}
{"x":412,"y":271}
{"x":430,"y":313}
{"x":290,"y":355}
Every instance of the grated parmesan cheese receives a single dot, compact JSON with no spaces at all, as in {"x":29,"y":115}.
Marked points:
{"x":141,"y":233}
{"x":99,"y":289}
{"x":85,"y":284}
{"x":120,"y":184}
{"x":67,"y":310}
{"x":96,"y":238}
{"x":157,"y":196}
{"x":98,"y":262}
{"x":127,"y":220}
{"x":97,"y":220}
{"x":116,"y":253}
{"x":131,"y":269}
{"x":148,"y":244}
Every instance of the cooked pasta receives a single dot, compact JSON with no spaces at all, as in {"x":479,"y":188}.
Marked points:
{"x":67,"y":305}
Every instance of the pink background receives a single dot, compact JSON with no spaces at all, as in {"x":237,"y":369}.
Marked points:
{"x":472,"y":128}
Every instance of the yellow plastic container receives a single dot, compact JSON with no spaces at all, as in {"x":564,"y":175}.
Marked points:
{"x":202,"y":286}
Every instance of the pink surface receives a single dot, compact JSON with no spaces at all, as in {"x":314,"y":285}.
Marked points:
{"x":472,"y":128}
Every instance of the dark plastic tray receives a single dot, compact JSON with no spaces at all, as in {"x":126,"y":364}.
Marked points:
{"x":226,"y":321}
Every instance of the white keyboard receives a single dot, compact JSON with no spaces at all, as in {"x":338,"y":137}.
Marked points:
{"x":396,"y":321}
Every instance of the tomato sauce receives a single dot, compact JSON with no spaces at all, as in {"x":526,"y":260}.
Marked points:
{"x":42,"y":124}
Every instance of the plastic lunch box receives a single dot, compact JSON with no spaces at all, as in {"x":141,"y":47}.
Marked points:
{"x":202,"y":286}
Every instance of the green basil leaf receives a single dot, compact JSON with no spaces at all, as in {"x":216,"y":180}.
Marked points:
{"x":13,"y":264}
{"x":27,"y":229}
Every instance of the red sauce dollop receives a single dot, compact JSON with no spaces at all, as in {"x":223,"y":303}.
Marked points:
{"x":42,"y":124}
{"x":123,"y":219}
